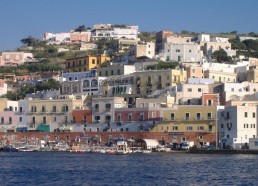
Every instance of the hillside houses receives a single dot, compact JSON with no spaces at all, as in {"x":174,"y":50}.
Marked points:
{"x":198,"y":100}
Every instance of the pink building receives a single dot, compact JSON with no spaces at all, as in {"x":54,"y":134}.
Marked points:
{"x":77,"y":37}
{"x":137,"y":114}
{"x":8,"y":121}
{"x":194,"y":71}
{"x":15,"y":58}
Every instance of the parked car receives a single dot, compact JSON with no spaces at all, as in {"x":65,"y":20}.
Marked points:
{"x":185,"y":146}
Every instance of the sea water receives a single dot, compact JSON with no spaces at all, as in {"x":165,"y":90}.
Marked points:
{"x":64,"y":168}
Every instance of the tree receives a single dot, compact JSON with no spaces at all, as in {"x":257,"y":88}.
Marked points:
{"x":221,"y":56}
{"x":29,"y":41}
{"x":80,"y":29}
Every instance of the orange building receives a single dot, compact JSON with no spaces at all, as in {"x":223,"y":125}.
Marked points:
{"x":82,"y":116}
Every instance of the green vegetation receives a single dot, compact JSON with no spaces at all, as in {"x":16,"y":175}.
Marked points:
{"x":221,"y":56}
{"x":248,"y":48}
{"x":21,"y":92}
{"x":162,"y":65}
{"x":43,"y":66}
{"x":81,"y":28}
{"x":31,"y":41}
{"x":147,"y":36}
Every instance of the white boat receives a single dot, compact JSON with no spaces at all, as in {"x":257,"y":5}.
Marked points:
{"x":122,"y":148}
{"x":147,"y":151}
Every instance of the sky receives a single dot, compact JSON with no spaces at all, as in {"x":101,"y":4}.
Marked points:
{"x":21,"y":18}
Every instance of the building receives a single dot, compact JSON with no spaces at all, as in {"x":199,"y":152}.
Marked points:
{"x":236,"y":125}
{"x":182,"y":52}
{"x":103,"y":108}
{"x":142,"y":50}
{"x":189,"y":123}
{"x":123,"y":45}
{"x":194,"y":71}
{"x":88,"y":46}
{"x":48,"y":114}
{"x":190,"y":94}
{"x":85,"y":63}
{"x":15,"y":58}
{"x":115,"y":70}
{"x":79,"y":37}
{"x":109,"y":31}
{"x":161,"y":39}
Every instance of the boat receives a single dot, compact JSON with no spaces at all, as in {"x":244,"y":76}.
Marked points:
{"x":122,"y":148}
{"x":147,"y":151}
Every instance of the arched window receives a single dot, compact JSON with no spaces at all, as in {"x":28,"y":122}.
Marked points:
{"x":86,"y":83}
{"x":94,"y":83}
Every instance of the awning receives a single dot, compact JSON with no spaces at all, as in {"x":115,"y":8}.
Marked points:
{"x":21,"y":129}
{"x":43,"y":128}
{"x":150,"y":143}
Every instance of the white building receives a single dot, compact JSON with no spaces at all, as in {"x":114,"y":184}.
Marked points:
{"x":236,"y":125}
{"x":182,"y":52}
{"x":203,"y":38}
{"x":109,"y":31}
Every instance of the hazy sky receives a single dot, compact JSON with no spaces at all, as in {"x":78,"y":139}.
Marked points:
{"x":21,"y":18}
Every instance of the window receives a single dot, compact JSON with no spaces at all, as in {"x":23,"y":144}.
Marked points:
{"x":177,"y":50}
{"x":65,"y":108}
{"x":33,"y":120}
{"x":142,"y":117}
{"x":228,"y":136}
{"x":43,"y":109}
{"x":108,"y":107}
{"x":201,"y":128}
{"x":33,"y":109}
{"x":54,"y":108}
{"x":129,"y":117}
{"x":175,"y":128}
{"x":208,"y":115}
{"x":190,"y":51}
{"x":153,"y":114}
{"x":97,"y":118}
{"x":112,"y":72}
{"x":118,"y":72}
{"x":172,"y":116}
{"x":108,"y":118}
{"x":199,"y":90}
{"x":96,"y":107}
{"x":85,"y":62}
{"x":198,"y":116}
{"x":119,"y":117}
{"x":20,"y":119}
{"x":189,"y":128}
{"x":10,"y":120}
{"x":200,"y":137}
{"x":222,"y":125}
{"x":187,"y":116}
{"x":253,"y":114}
{"x":20,"y":109}
{"x":246,"y":115}
{"x":209,"y":102}
{"x":44,"y":119}
{"x":93,"y":61}
{"x":189,"y":90}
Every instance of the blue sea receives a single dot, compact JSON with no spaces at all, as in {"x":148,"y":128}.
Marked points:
{"x":64,"y":168}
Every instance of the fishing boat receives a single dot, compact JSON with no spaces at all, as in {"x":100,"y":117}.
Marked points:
{"x":122,"y":148}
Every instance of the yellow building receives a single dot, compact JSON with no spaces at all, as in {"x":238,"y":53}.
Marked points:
{"x":85,"y":63}
{"x":48,"y":113}
{"x":149,"y":81}
{"x":188,"y":118}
